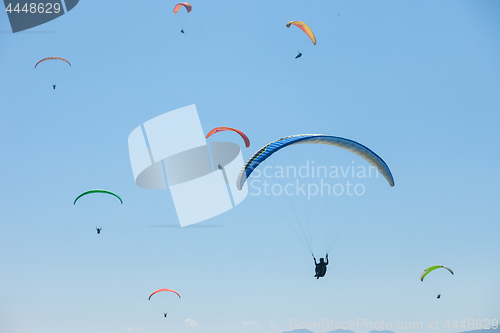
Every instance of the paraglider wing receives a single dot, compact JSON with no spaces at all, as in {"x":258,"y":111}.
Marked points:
{"x":52,"y":58}
{"x":349,"y":145}
{"x":304,"y":27}
{"x":432,"y":268}
{"x":97,"y":191}
{"x":220,"y":129}
{"x":187,"y":5}
{"x":160,"y":290}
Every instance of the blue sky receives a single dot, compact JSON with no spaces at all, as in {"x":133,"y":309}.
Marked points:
{"x":416,"y":81}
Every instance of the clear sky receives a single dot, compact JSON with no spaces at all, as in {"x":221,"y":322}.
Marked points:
{"x":416,"y":81}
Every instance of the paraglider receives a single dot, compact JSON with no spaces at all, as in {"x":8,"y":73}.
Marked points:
{"x":97,"y":205}
{"x":220,"y":129}
{"x":164,"y":290}
{"x":311,"y":199}
{"x":304,"y":27}
{"x":53,"y":66}
{"x":431,"y":269}
{"x":186,"y":5}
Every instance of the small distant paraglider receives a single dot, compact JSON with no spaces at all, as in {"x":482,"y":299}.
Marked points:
{"x":304,"y":27}
{"x":186,"y":5}
{"x":161,"y":290}
{"x":220,"y":129}
{"x":53,"y":65}
{"x":97,"y":205}
{"x":431,"y":269}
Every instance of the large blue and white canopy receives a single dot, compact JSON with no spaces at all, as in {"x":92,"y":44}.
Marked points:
{"x":362,"y":151}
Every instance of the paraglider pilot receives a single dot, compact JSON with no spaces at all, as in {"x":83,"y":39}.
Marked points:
{"x":165,"y":314}
{"x":98,"y":230}
{"x":298,"y":55}
{"x":320,"y":267}
{"x":439,"y":296}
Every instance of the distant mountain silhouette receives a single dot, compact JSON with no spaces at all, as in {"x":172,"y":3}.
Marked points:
{"x":348,"y":331}
{"x":483,"y":331}
{"x":303,"y":330}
